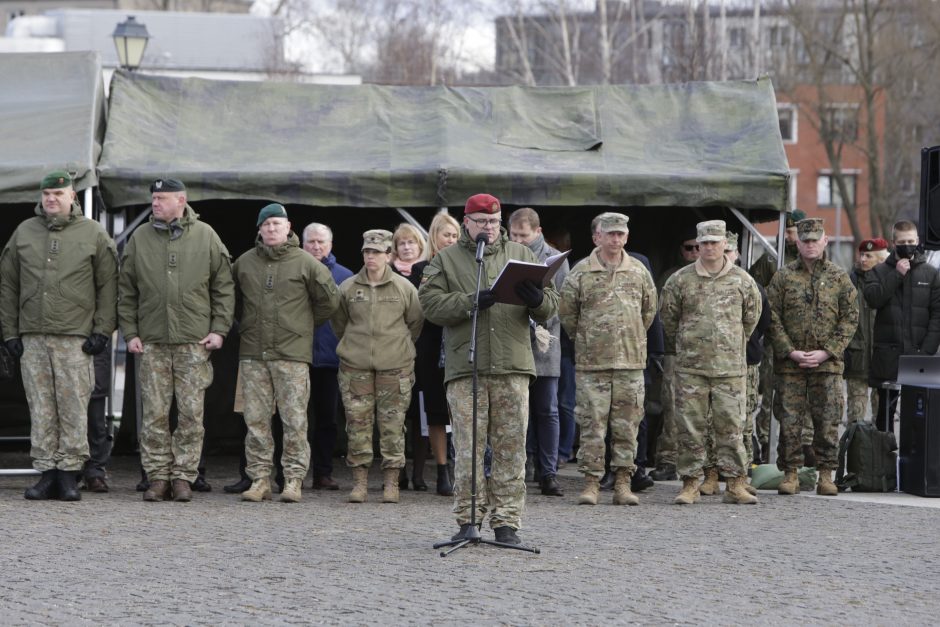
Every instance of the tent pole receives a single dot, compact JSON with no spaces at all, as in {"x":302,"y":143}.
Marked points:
{"x":88,"y":204}
{"x":410,"y":219}
{"x":753,"y":231}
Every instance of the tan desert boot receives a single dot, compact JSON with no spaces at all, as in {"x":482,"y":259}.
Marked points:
{"x":260,"y":490}
{"x":710,"y":485}
{"x":735,"y":492}
{"x":360,"y":484}
{"x":689,"y":493}
{"x":291,"y":492}
{"x":390,"y":488}
{"x":790,"y":483}
{"x":825,"y":486}
{"x":622,"y":493}
{"x":592,"y":488}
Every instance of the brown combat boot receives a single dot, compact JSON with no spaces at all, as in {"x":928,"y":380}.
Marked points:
{"x":182,"y":492}
{"x":260,"y":490}
{"x":291,"y":491}
{"x":622,"y":493}
{"x":825,"y":486}
{"x":158,"y":491}
{"x":689,"y":493}
{"x":790,"y":483}
{"x":750,"y":489}
{"x":390,"y":492}
{"x":710,"y":485}
{"x":735,"y":493}
{"x":592,"y":489}
{"x":360,"y":484}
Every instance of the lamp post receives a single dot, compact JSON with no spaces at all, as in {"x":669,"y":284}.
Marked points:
{"x":130,"y":39}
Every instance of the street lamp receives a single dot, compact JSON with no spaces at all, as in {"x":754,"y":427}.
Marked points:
{"x":130,"y":39}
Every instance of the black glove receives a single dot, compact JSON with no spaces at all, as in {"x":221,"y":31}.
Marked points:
{"x":95,"y":344}
{"x":530,"y":293}
{"x":655,"y":363}
{"x":15,"y":346}
{"x":487,"y":299}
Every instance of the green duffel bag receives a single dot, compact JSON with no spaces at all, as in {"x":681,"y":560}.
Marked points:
{"x":768,"y":477}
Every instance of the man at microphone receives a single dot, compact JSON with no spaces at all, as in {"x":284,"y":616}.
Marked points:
{"x":504,"y":360}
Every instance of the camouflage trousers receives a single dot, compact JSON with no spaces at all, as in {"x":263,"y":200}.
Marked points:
{"x":168,"y":370}
{"x":371,"y":396}
{"x":858,"y":399}
{"x":710,"y":404}
{"x":502,"y":420}
{"x":608,"y":398}
{"x":765,"y":389}
{"x":818,"y":396}
{"x":753,"y":380}
{"x":284,"y":385}
{"x":666,"y":444}
{"x":58,"y":378}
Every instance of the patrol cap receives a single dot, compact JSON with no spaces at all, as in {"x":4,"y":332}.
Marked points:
{"x":795,"y":216}
{"x":732,"y":244}
{"x":711,"y":231}
{"x":810,"y":229}
{"x":273,"y":210}
{"x":377,"y":239}
{"x":607,"y":222}
{"x":482,"y":203}
{"x":167,"y":185}
{"x":56,"y":179}
{"x":873,"y":245}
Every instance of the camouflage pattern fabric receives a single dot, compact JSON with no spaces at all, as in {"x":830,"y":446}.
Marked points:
{"x":502,"y":419}
{"x":713,"y":404}
{"x":611,"y":398}
{"x":166,"y":370}
{"x":371,"y":396}
{"x":800,"y":395}
{"x":284,"y":385}
{"x":753,"y":378}
{"x":766,"y":390}
{"x":666,"y":444}
{"x":858,"y":399}
{"x":58,"y":378}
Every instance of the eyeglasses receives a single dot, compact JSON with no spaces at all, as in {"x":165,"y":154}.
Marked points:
{"x":485,"y":222}
{"x":690,"y":247}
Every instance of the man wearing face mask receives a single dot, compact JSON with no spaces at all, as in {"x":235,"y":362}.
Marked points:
{"x":905,"y":291}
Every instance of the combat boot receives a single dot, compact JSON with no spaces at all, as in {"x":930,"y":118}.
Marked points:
{"x":750,"y":489}
{"x":790,"y":483}
{"x":664,"y":472}
{"x":157,"y":490}
{"x":182,"y":492}
{"x":68,"y":486}
{"x":390,"y":487}
{"x":622,"y":493}
{"x":735,"y":493}
{"x":592,"y":488}
{"x":291,"y":491}
{"x":260,"y":490}
{"x":46,"y":488}
{"x":825,"y":486}
{"x":360,"y":484}
{"x":710,"y":485}
{"x":689,"y":493}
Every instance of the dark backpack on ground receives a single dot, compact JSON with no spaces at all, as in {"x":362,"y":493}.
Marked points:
{"x":867,"y":459}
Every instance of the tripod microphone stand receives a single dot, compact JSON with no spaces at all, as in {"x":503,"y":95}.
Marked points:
{"x":473,"y":533}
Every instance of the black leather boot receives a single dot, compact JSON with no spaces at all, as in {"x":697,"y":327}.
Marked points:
{"x":46,"y":488}
{"x":68,"y":486}
{"x":444,"y":486}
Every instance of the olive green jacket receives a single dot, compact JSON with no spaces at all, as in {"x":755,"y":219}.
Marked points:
{"x":282,"y":293}
{"x":175,"y":291}
{"x":58,"y":277}
{"x":377,"y":325}
{"x":446,"y":293}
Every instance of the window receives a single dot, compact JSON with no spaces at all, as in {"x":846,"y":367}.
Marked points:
{"x":840,"y":123}
{"x":737,"y":37}
{"x":827,"y":190}
{"x":794,"y":174}
{"x":786,"y":115}
{"x":779,"y":36}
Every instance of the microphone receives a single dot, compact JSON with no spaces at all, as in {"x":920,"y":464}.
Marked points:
{"x":481,"y":246}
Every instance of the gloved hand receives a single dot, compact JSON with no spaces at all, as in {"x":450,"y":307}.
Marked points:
{"x":95,"y":344}
{"x":654,"y":363}
{"x":530,"y":293}
{"x":15,"y":346}
{"x":487,"y":299}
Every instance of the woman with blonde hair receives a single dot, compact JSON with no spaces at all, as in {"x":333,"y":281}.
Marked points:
{"x":408,"y":248}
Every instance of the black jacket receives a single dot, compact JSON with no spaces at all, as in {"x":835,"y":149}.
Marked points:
{"x":755,"y":343}
{"x":907,"y":321}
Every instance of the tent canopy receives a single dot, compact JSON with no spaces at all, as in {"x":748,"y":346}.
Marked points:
{"x":691,"y":145}
{"x":52,"y":112}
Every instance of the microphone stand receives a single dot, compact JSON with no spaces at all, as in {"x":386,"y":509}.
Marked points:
{"x":473,"y":534}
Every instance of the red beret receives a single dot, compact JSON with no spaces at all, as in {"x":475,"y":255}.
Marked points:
{"x":482,"y":203}
{"x":871,"y":245}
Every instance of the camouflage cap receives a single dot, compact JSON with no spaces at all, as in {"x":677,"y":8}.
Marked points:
{"x":609,"y":221}
{"x":377,"y":239}
{"x":795,"y":216}
{"x":810,"y":228}
{"x":56,"y":180}
{"x":711,"y":231}
{"x":732,"y":243}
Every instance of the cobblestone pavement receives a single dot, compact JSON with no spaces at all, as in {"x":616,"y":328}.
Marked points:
{"x":113,"y":559}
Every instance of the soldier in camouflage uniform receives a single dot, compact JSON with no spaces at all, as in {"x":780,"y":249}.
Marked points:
{"x":709,"y":310}
{"x":815,"y":315}
{"x":58,"y":288}
{"x":176,"y":304}
{"x":504,"y":360}
{"x":608,"y":302}
{"x":377,"y":322}
{"x":859,"y":397}
{"x":284,"y":292}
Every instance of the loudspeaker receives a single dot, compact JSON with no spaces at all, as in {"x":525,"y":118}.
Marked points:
{"x":920,"y":441}
{"x":930,"y":197}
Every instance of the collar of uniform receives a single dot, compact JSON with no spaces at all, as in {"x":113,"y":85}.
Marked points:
{"x":598,"y":266}
{"x":363,"y":276}
{"x":471,"y":245}
{"x":702,"y":272}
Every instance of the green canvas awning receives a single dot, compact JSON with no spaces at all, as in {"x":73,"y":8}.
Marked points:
{"x":689,"y":145}
{"x":52,"y":113}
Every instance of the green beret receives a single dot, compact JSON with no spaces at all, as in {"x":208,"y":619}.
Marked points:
{"x":56,"y":180}
{"x":795,"y":216}
{"x":273,"y":210}
{"x":167,"y":185}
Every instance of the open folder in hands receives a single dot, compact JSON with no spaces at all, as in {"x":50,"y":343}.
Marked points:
{"x":514,"y":272}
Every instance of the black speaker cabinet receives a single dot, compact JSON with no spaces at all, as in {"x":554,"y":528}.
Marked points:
{"x":920,"y":441}
{"x":930,"y":197}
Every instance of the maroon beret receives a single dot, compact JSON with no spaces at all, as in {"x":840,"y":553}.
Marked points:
{"x":482,"y":203}
{"x":871,"y":245}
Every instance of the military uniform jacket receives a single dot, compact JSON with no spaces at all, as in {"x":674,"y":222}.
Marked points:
{"x":446,"y":293}
{"x":817,"y":311}
{"x":283,"y":292}
{"x":859,"y":351}
{"x":763,"y":269}
{"x":707,"y":320}
{"x":176,"y":291}
{"x":608,"y":313}
{"x":377,"y":325}
{"x":58,"y":277}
